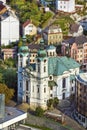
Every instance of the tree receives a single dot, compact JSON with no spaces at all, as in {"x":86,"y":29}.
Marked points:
{"x":39,"y":111}
{"x":9,"y":93}
{"x":10,"y":78}
{"x":55,"y":102}
{"x":50,"y":103}
{"x":10,"y":62}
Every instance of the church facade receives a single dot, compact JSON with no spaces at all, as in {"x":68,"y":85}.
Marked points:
{"x":50,"y":76}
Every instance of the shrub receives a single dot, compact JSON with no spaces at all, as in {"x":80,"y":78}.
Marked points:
{"x":39,"y":111}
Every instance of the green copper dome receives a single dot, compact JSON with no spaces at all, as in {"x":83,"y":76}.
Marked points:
{"x":23,"y":50}
{"x":42,"y":53}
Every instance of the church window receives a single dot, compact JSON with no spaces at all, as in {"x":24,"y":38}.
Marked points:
{"x":21,"y":56}
{"x":53,"y":53}
{"x":38,"y":90}
{"x":44,"y":68}
{"x":33,"y":88}
{"x":64,"y":83}
{"x":38,"y":68}
{"x":50,"y":77}
{"x":27,"y":85}
{"x":44,"y":60}
{"x":44,"y":90}
{"x":38,"y":60}
{"x":26,"y":62}
{"x":72,"y":88}
{"x":27,"y":99}
{"x":50,"y":53}
{"x":21,"y":63}
{"x":20,"y":84}
{"x":51,"y":95}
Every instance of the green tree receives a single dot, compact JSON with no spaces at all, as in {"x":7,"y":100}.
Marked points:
{"x":10,"y":78}
{"x":55,"y":102}
{"x":9,"y":93}
{"x":50,"y":103}
{"x":39,"y":111}
{"x":10,"y":62}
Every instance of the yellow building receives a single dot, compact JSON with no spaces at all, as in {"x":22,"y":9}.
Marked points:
{"x":53,"y":35}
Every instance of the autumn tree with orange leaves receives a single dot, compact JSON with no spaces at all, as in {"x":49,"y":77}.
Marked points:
{"x":9,"y":93}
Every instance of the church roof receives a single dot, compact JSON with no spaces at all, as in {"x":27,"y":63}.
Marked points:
{"x":24,"y":50}
{"x":58,"y":65}
{"x":51,"y":47}
{"x":42,"y":53}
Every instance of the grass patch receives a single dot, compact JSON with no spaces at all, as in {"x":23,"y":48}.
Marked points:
{"x":64,"y":22}
{"x":40,"y":127}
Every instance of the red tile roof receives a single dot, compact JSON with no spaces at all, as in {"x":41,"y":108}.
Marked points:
{"x":2,"y":7}
{"x":26,"y":23}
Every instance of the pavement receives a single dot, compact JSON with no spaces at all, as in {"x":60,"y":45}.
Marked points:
{"x":23,"y":127}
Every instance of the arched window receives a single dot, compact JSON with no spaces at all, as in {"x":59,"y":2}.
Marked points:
{"x":44,"y":68}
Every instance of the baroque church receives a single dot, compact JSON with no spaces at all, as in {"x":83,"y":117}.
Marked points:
{"x":50,"y":76}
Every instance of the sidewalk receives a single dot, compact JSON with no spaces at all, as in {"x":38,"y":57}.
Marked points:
{"x":24,"y":127}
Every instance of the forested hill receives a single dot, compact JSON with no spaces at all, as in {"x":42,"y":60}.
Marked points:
{"x":29,"y":9}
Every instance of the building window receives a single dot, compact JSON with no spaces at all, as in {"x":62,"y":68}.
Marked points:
{"x":20,"y":84}
{"x":27,"y":99}
{"x":51,"y":95}
{"x":63,"y":95}
{"x":50,"y":77}
{"x":27,"y":85}
{"x":38,"y":90}
{"x":72,"y":88}
{"x":45,"y":61}
{"x":50,"y":53}
{"x":53,"y":53}
{"x":44,"y":90}
{"x":26,"y":62}
{"x":39,"y":68}
{"x":33,"y":89}
{"x":44,"y":68}
{"x":64,"y":83}
{"x":83,"y":119}
{"x":21,"y":63}
{"x":79,"y":117}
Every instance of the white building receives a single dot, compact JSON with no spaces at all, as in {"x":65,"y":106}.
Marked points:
{"x":12,"y":118}
{"x":65,"y":5}
{"x":29,"y":28}
{"x":9,"y":28}
{"x":4,"y":1}
{"x":49,"y":77}
{"x":75,"y":30}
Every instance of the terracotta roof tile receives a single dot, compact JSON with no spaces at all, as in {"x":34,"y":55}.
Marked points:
{"x":26,"y":23}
